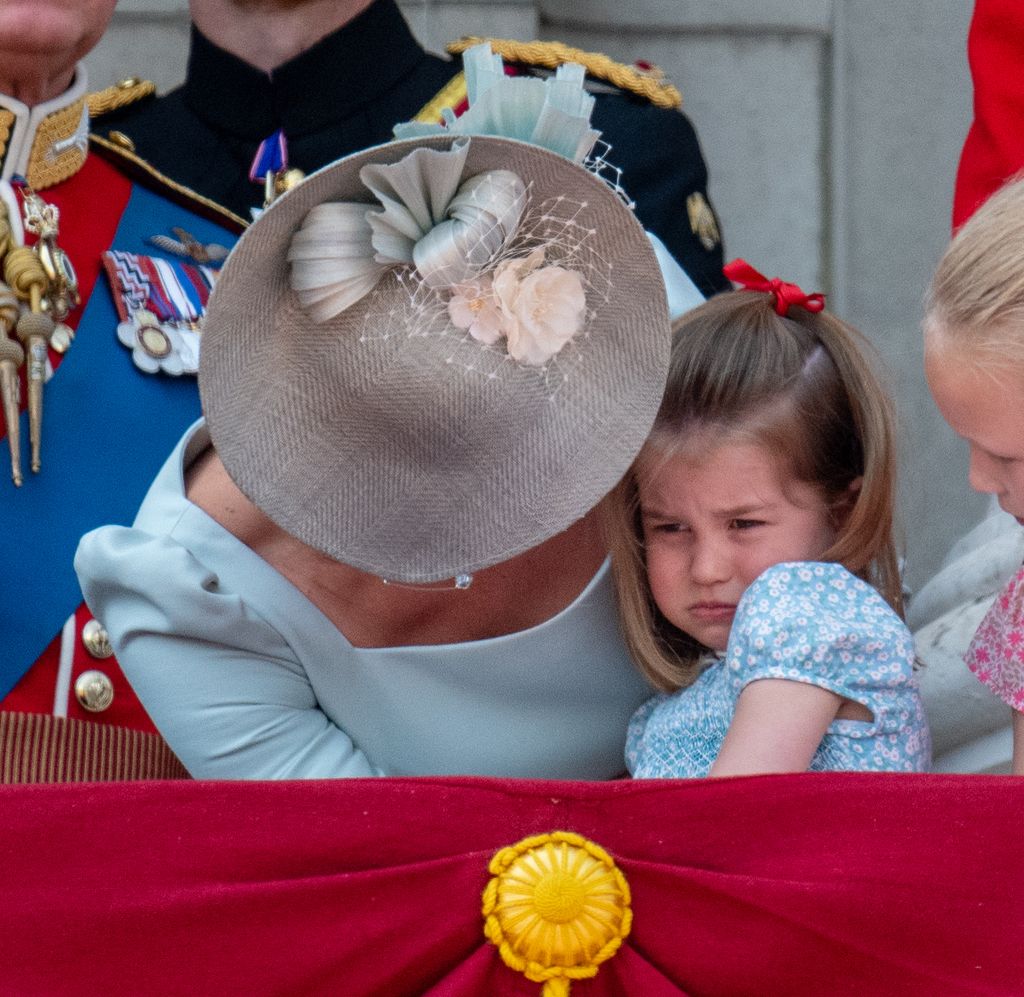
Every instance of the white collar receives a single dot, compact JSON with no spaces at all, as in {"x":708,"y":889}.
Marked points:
{"x":46,"y":143}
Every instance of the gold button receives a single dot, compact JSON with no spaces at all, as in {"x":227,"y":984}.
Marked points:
{"x":127,"y":83}
{"x":96,"y":640}
{"x":94,"y":691}
{"x":122,"y":140}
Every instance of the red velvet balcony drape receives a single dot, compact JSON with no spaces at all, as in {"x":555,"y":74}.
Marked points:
{"x":798,"y":885}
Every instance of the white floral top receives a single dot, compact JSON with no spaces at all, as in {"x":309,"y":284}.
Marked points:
{"x":996,"y":654}
{"x":806,"y":622}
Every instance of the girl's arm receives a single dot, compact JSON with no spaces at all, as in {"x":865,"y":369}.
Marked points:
{"x":1018,"y":743}
{"x":777,"y":727}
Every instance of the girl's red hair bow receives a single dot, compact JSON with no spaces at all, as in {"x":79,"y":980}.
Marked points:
{"x":786,"y":295}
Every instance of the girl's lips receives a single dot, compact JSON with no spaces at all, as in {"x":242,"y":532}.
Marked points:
{"x":712,"y":610}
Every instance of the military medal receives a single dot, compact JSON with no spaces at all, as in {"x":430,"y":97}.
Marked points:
{"x":153,"y":340}
{"x":160,"y":303}
{"x":152,"y":346}
{"x":270,"y":169}
{"x":187,"y":246}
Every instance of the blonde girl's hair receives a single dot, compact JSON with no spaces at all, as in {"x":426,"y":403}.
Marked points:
{"x":805,"y":387}
{"x":976,"y":297}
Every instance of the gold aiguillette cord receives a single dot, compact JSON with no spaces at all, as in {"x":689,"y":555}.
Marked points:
{"x":42,"y":279}
{"x":11,"y":354}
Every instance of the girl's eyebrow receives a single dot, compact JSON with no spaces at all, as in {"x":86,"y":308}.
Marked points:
{"x":737,"y":512}
{"x":652,"y":512}
{"x":740,"y":511}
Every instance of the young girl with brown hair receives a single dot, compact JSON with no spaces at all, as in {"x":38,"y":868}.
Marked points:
{"x":753,"y":551}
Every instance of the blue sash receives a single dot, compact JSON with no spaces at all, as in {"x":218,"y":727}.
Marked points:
{"x":107,"y":429}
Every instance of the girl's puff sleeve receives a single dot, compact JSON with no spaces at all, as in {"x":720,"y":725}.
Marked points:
{"x":220,"y":682}
{"x":817,"y":623}
{"x":996,"y":653}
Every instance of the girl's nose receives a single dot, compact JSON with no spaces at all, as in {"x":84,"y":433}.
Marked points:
{"x":710,"y":561}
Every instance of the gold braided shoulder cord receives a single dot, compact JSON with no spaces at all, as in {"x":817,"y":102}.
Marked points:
{"x":6,"y":123}
{"x":119,"y":95}
{"x":46,"y":166}
{"x":119,"y":152}
{"x":450,"y":95}
{"x":551,"y":55}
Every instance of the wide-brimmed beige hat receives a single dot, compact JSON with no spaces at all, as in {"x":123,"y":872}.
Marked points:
{"x":430,"y":410}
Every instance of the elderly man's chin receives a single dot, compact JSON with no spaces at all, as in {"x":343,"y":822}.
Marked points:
{"x":70,"y":28}
{"x":41,"y":40}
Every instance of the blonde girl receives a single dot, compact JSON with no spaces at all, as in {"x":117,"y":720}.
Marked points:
{"x":753,"y":551}
{"x":974,"y":362}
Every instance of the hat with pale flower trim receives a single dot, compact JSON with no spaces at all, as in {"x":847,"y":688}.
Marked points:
{"x":436,"y":354}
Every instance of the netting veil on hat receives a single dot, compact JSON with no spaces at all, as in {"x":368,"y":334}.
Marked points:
{"x":435,"y":354}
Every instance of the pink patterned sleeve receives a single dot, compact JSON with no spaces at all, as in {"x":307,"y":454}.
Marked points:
{"x":996,"y":654}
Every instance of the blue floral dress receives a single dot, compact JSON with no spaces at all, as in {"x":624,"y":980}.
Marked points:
{"x":807,"y":622}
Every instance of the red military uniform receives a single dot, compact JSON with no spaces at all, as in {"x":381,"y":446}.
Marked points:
{"x":107,"y":427}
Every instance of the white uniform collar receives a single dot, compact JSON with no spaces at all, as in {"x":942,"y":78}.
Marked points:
{"x":46,"y":143}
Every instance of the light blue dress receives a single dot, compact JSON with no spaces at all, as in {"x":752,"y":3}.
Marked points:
{"x":246,"y":678}
{"x":806,"y":622}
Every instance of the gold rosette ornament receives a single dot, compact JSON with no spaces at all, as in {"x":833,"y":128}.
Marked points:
{"x":556,"y":908}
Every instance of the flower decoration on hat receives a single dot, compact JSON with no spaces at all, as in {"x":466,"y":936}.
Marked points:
{"x":537,"y":309}
{"x":508,"y":273}
{"x":784,"y":294}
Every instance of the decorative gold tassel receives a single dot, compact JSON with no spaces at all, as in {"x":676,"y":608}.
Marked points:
{"x":11,"y":358}
{"x":27,"y":278}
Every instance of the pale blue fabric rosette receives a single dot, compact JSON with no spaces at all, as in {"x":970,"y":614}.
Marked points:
{"x":553,"y":113}
{"x":457,"y":234}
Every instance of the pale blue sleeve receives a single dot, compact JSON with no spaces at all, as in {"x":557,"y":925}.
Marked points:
{"x":816,"y":623}
{"x":221,"y":684}
{"x":635,"y":733}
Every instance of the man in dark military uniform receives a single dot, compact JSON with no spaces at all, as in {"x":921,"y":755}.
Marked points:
{"x":336,"y":82}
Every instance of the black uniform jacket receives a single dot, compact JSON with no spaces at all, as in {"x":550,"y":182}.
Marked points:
{"x":346,"y":92}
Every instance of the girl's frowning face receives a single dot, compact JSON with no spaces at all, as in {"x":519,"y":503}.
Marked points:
{"x":985,"y":406}
{"x":712,"y":523}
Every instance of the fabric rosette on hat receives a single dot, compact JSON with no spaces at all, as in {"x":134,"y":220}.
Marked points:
{"x":436,"y":354}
